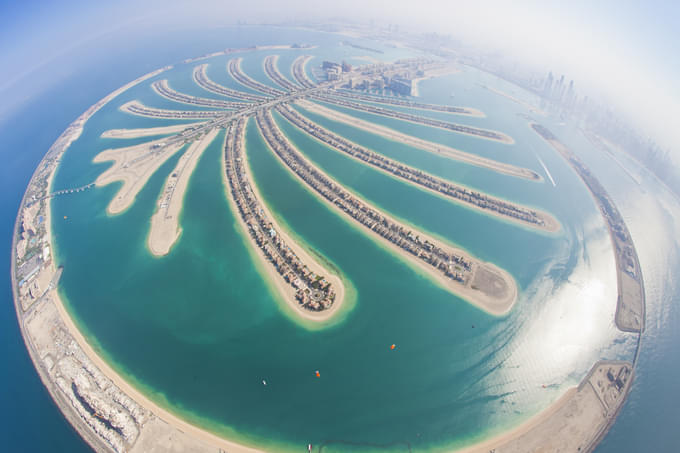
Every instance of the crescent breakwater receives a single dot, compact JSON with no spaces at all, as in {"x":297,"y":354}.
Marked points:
{"x":630,"y":307}
{"x":481,"y":284}
{"x":111,"y":415}
{"x":305,"y":284}
{"x":462,"y":195}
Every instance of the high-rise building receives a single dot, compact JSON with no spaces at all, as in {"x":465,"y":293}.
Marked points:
{"x":547,"y":86}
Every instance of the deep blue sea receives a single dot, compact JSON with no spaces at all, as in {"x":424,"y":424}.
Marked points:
{"x":32,"y":422}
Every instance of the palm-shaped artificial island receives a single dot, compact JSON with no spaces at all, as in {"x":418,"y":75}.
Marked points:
{"x":111,"y":414}
{"x":302,"y":280}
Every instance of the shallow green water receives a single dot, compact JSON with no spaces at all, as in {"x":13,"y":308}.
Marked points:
{"x":199,"y":329}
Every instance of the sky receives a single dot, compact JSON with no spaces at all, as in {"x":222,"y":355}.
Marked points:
{"x":626,"y":51}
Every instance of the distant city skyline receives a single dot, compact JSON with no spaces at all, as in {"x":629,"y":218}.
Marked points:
{"x":625,"y":51}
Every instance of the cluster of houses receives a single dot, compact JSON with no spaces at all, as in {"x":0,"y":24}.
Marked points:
{"x":410,"y":174}
{"x":299,"y":71}
{"x":452,"y":265}
{"x":202,"y":80}
{"x":136,"y":108}
{"x":459,"y":128}
{"x":274,"y":74}
{"x":312,"y":291}
{"x":235,"y":71}
{"x":161,"y":87}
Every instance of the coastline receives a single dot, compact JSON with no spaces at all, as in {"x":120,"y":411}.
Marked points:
{"x":630,"y":306}
{"x":139,"y":397}
{"x":55,"y":152}
{"x":200,"y":433}
{"x":494,"y":442}
{"x":447,"y":70}
{"x":284,"y":291}
{"x":576,"y":421}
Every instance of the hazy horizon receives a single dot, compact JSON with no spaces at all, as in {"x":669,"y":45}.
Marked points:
{"x":621,"y":51}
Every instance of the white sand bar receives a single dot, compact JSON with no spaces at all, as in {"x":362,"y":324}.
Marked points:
{"x":165,"y":228}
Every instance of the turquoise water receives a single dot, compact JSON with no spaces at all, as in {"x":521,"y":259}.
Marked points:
{"x":199,"y":329}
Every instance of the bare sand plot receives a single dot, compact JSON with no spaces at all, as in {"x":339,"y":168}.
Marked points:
{"x":575,"y":422}
{"x":165,"y":222}
{"x":133,"y":166}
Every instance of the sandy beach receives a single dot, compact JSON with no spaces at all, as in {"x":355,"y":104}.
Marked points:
{"x":534,"y":423}
{"x":149,"y":131}
{"x":133,"y":166}
{"x":435,"y":148}
{"x":120,"y":382}
{"x":575,"y":422}
{"x":545,"y":431}
{"x":165,"y":228}
{"x":285,"y":290}
{"x":491,"y":305}
{"x":432,"y":73}
{"x":141,"y":399}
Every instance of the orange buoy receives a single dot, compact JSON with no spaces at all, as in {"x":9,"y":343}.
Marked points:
{"x":65,"y":217}
{"x":393,"y":346}
{"x":317,"y":373}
